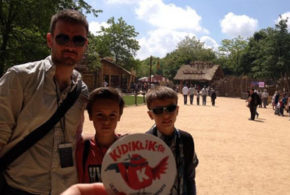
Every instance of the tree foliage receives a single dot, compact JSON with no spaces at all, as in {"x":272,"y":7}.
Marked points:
{"x":188,"y":50}
{"x":230,"y":54}
{"x":118,"y":40}
{"x":92,"y":57}
{"x":265,"y":55}
{"x":268,"y":52}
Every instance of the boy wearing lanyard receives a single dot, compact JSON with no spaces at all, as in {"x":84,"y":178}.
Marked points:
{"x":163,"y":109}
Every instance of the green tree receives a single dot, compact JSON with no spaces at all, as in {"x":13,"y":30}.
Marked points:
{"x":92,"y":59}
{"x":283,"y":48}
{"x":269,"y":52}
{"x":23,"y":28}
{"x":230,"y":54}
{"x":261,"y":53}
{"x":118,"y":40}
{"x":188,"y":50}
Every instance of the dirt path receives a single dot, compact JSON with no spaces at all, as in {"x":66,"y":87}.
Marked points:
{"x":236,"y":156}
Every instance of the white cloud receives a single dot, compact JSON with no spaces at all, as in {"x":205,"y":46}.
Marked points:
{"x":169,"y":16}
{"x":169,"y":25}
{"x":235,"y":25}
{"x":160,"y":42}
{"x":94,"y":27}
{"x":284,"y":16}
{"x":209,"y":43}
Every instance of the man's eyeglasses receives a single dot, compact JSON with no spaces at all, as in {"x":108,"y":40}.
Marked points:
{"x":78,"y":41}
{"x":161,"y":109}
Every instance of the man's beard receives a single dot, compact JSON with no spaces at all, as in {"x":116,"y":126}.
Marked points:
{"x":64,"y":61}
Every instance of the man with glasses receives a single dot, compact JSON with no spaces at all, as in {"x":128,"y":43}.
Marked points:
{"x":163,"y":109}
{"x":29,"y":95}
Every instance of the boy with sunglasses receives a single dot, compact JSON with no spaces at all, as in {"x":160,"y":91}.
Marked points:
{"x":163,"y":109}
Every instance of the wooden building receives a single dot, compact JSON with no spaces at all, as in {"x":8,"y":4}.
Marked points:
{"x":199,"y":72}
{"x":109,"y":72}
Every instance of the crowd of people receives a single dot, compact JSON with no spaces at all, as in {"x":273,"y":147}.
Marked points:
{"x":42,"y":108}
{"x":195,"y":91}
{"x":279,"y":102}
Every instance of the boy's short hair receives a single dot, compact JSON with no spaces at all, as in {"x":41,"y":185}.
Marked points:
{"x":108,"y":93}
{"x":160,"y":93}
{"x":68,"y":15}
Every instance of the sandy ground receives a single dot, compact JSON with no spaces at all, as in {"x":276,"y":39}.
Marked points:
{"x":236,"y":156}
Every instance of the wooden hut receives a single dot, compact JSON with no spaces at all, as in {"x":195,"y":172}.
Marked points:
{"x":199,"y":72}
{"x":115,"y":75}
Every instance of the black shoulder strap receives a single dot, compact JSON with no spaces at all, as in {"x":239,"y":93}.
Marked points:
{"x":41,"y":131}
{"x":86,"y":151}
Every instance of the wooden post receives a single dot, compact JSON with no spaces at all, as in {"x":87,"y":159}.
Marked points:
{"x":143,"y":93}
{"x":150,"y":70}
{"x":136,"y":97}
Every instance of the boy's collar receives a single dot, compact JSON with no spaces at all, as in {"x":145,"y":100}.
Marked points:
{"x":156,"y":132}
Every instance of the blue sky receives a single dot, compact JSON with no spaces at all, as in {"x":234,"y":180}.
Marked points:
{"x":162,"y":24}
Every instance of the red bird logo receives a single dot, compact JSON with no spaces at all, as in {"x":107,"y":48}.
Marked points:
{"x":137,"y":173}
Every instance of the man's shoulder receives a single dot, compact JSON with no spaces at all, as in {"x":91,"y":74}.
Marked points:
{"x":31,"y":67}
{"x":31,"y":71}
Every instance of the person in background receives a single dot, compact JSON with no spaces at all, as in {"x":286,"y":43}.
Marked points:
{"x":253,"y":102}
{"x":185,"y":91}
{"x":277,"y":97}
{"x":197,"y":97}
{"x":213,"y":97}
{"x":203,"y":95}
{"x":283,"y":104}
{"x":29,"y":95}
{"x":265,"y":96}
{"x":273,"y":100}
{"x":191,"y":93}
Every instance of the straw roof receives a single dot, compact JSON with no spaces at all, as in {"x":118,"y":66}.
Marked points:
{"x":199,"y":71}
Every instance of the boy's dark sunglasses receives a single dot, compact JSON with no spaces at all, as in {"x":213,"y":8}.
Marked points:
{"x":63,"y":39}
{"x":161,"y":109}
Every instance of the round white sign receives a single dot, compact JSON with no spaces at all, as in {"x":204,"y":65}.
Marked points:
{"x":138,"y":164}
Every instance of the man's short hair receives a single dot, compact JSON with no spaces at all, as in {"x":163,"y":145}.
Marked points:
{"x":160,"y":93}
{"x":69,"y":15}
{"x":108,"y":93}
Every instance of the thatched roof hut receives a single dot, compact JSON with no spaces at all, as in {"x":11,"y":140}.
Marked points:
{"x":199,"y":72}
